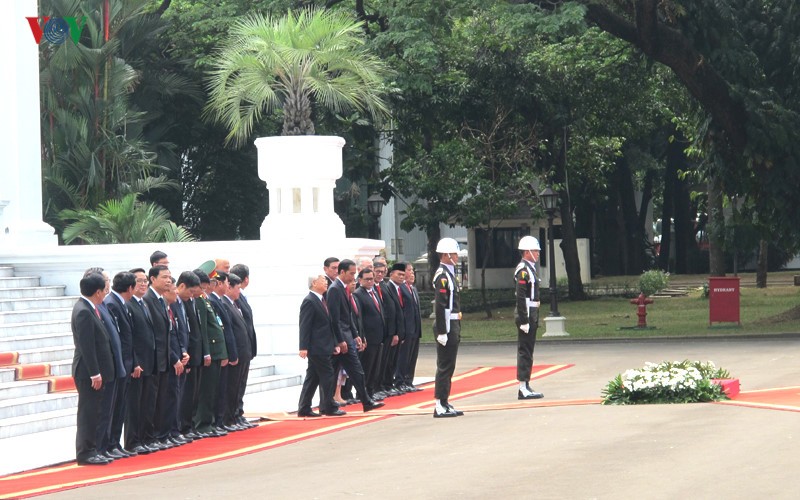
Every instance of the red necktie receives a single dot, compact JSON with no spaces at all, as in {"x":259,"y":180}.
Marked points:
{"x":400,"y":296}
{"x":352,"y":301}
{"x":325,"y":305}
{"x":372,"y":294}
{"x":97,"y":313}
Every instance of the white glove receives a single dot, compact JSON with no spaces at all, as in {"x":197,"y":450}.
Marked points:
{"x":525,"y":328}
{"x":442,"y":339}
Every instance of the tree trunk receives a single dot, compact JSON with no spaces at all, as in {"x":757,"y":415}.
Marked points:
{"x":685,"y":217}
{"x":486,"y":250}
{"x":297,"y":113}
{"x":569,"y":243}
{"x":716,"y":229}
{"x":634,"y":237}
{"x":674,"y":156}
{"x":761,"y":271}
{"x":434,"y":234}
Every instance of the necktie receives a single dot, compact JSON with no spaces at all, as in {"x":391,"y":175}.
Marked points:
{"x":163,"y":304}
{"x":400,"y":296}
{"x":172,"y":325}
{"x":353,"y":302}
{"x":411,"y":291}
{"x":97,"y":313}
{"x":325,"y":305}
{"x":372,"y":294}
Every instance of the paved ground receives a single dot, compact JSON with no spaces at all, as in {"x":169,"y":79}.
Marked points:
{"x":657,"y":451}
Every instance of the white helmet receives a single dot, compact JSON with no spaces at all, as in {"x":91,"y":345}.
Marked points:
{"x":447,"y":245}
{"x":529,"y":243}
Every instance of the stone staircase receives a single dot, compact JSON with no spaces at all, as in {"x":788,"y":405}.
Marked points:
{"x":37,"y":393}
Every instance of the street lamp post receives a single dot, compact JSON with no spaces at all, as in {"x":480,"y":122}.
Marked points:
{"x":374,"y":208}
{"x":554,"y":323}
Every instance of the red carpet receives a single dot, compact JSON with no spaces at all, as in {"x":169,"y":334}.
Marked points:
{"x":782,"y":398}
{"x":278,"y":431}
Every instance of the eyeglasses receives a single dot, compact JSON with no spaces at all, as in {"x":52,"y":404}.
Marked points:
{"x":368,"y":279}
{"x":141,"y":280}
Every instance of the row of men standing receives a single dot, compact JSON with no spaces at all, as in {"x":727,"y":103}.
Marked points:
{"x":165,"y":359}
{"x":375,"y":329}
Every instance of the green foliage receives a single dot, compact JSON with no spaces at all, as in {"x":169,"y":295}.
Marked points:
{"x":289,"y":62}
{"x":653,"y":281}
{"x":122,"y":221}
{"x":668,"y":382}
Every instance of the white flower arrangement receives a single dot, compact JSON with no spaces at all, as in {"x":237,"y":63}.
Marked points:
{"x":667,"y":382}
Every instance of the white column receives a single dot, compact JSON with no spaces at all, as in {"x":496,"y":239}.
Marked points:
{"x":20,"y":141}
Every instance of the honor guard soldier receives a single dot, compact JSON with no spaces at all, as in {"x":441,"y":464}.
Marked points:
{"x":527,"y":313}
{"x":447,"y":328}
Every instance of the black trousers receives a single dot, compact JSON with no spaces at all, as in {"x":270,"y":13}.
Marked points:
{"x":189,"y":397}
{"x":525,"y":345}
{"x":134,"y":412}
{"x":166,"y":404}
{"x":88,"y":414}
{"x":234,"y":382}
{"x":407,"y":361}
{"x":106,"y":416}
{"x":120,"y":411}
{"x":318,"y":374}
{"x":203,"y":417}
{"x":446,"y":362}
{"x":371,"y":362}
{"x":350,"y":362}
{"x":389,"y":363}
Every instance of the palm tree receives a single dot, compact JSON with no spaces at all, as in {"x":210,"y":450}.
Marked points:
{"x":290,"y":62}
{"x":122,"y":221}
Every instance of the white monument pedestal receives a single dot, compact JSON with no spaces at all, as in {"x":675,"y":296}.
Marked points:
{"x":555,"y":326}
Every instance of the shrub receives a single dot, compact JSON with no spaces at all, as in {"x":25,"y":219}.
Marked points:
{"x":667,"y":382}
{"x":653,"y":281}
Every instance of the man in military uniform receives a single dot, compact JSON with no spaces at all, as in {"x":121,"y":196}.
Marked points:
{"x":527,"y":313}
{"x":447,"y":308}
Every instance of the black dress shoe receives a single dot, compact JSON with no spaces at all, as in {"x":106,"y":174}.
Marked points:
{"x":457,"y":412}
{"x":334,"y":413}
{"x":531,"y":395}
{"x":190,"y":435}
{"x":129,"y":453}
{"x":371,"y":405}
{"x":177,"y":441}
{"x":376,"y":397}
{"x":447,"y":413}
{"x":308,"y":413}
{"x":141,"y":450}
{"x":95,"y":460}
{"x":353,"y":401}
{"x":166,"y":444}
{"x":413,"y":388}
{"x":113,"y":454}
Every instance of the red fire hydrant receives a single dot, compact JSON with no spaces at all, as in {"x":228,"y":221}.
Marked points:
{"x":641,"y":301}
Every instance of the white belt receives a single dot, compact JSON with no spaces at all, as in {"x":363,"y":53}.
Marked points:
{"x":455,"y":316}
{"x":532,"y":303}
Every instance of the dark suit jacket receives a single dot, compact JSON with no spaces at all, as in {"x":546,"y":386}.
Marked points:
{"x":92,"y":346}
{"x":113,"y":336}
{"x":341,"y":312}
{"x":316,"y":331}
{"x":239,"y":330}
{"x":411,"y":312}
{"x":372,"y":323}
{"x":211,"y":328}
{"x":227,"y":327}
{"x":179,"y":341}
{"x":119,"y":311}
{"x":161,"y":329}
{"x":393,"y":312}
{"x":247,"y":311}
{"x":144,"y":338}
{"x":198,"y":343}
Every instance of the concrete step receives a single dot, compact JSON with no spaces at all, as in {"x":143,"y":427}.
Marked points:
{"x":32,"y":292}
{"x":34,"y":328}
{"x":261,"y":369}
{"x":46,"y":354}
{"x":7,"y":375}
{"x":35,"y":315}
{"x":6,"y":271}
{"x":41,"y":422}
{"x":18,"y":281}
{"x":272,"y":382}
{"x":62,"y":368}
{"x":22,"y":389}
{"x":41,"y":341}
{"x":32,"y":405}
{"x":37,"y":303}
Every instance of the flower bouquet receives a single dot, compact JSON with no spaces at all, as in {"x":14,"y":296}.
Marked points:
{"x":668,"y":382}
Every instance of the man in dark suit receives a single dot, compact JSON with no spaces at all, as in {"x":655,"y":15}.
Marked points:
{"x":243,"y":272}
{"x":178,"y":341}
{"x":373,"y":327}
{"x":166,"y":359}
{"x":214,"y":359}
{"x":141,"y":390}
{"x":395,"y":325}
{"x":197,"y":348}
{"x":409,"y":349}
{"x":331,"y":269}
{"x":317,"y":345}
{"x":103,"y":435}
{"x":92,"y":364}
{"x":115,"y":302}
{"x":346,"y":332}
{"x":219,"y":286}
{"x":237,"y":375}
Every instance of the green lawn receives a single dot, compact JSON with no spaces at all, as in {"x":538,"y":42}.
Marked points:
{"x":763,"y":311}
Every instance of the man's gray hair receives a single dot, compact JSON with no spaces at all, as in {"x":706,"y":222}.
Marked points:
{"x":312,"y":279}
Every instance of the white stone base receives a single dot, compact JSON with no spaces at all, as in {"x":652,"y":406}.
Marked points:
{"x":555,"y":326}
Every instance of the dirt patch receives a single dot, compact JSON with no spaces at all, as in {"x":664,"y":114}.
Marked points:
{"x":792,"y":314}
